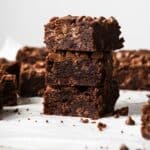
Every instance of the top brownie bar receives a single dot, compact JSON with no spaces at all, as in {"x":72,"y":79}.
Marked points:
{"x":83,"y":33}
{"x":31,"y":55}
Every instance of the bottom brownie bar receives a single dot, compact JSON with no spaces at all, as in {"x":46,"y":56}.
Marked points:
{"x":145,"y":129}
{"x":32,"y":79}
{"x":8,"y":86}
{"x":89,"y":102}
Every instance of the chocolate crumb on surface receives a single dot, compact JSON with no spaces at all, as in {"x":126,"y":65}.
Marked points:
{"x":124,"y":147}
{"x":84,"y":120}
{"x":29,"y":119}
{"x":27,"y":109}
{"x":130,"y":121}
{"x":93,"y":122}
{"x":62,"y":121}
{"x":122,"y":111}
{"x":101,"y":126}
{"x":122,"y":131}
{"x":47,"y":121}
{"x":16,"y":110}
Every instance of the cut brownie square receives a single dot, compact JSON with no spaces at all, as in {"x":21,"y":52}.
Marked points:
{"x":78,"y":69}
{"x":11,"y":67}
{"x":74,"y":33}
{"x":93,"y":102}
{"x":8,"y":86}
{"x":132,"y":69}
{"x":145,"y":129}
{"x":31,"y":55}
{"x":32,"y":79}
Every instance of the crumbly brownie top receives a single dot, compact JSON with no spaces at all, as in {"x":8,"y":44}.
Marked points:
{"x":131,"y":58}
{"x":76,"y":33}
{"x":31,"y":54}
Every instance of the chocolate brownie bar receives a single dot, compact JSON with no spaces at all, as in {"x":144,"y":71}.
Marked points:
{"x":78,"y":69}
{"x":74,"y":33}
{"x":32,"y":79}
{"x":8,"y":86}
{"x":145,"y":129}
{"x":11,"y":67}
{"x":93,"y":102}
{"x":132,"y":69}
{"x":31,"y":54}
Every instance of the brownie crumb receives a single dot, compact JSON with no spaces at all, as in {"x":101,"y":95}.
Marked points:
{"x":62,"y":121}
{"x":130,"y":121}
{"x":93,"y":122}
{"x":29,"y":119}
{"x":47,"y":121}
{"x":35,"y":120}
{"x":122,"y":111}
{"x":101,"y":126}
{"x":73,"y":125}
{"x":122,"y":131}
{"x":124,"y":147}
{"x":27,"y":109}
{"x":116,"y":116}
{"x":19,"y":113}
{"x":84,"y":120}
{"x":16,"y":110}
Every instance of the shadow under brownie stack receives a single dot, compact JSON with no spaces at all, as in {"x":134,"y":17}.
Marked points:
{"x":79,"y":66}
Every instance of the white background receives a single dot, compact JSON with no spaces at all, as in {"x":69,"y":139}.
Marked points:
{"x":23,"y":20}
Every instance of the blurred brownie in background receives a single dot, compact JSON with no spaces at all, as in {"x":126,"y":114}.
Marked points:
{"x":32,"y":72}
{"x":32,"y":79}
{"x":8,"y":87}
{"x":145,"y":129}
{"x":132,"y":69}
{"x":31,"y":55}
{"x":11,"y":67}
{"x":83,"y":33}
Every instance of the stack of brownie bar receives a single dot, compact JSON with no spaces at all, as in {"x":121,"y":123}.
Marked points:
{"x":9,"y":74}
{"x":79,"y":66}
{"x":132,"y":69}
{"x":32,"y":71}
{"x":145,"y":130}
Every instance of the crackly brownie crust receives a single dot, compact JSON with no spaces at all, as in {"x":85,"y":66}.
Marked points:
{"x":31,"y":55}
{"x":8,"y":89}
{"x":131,"y":68}
{"x":78,"y":69}
{"x":74,"y":33}
{"x":90,"y":102}
{"x":32,"y":79}
{"x":145,"y":129}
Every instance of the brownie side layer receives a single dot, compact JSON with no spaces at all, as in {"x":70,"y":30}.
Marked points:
{"x":145,"y":129}
{"x":132,"y":69}
{"x":89,"y":102}
{"x":78,"y":69}
{"x":74,"y":33}
{"x":32,"y":79}
{"x":30,"y":55}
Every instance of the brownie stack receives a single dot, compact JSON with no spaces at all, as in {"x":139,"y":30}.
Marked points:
{"x":9,"y":73}
{"x":79,"y":66}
